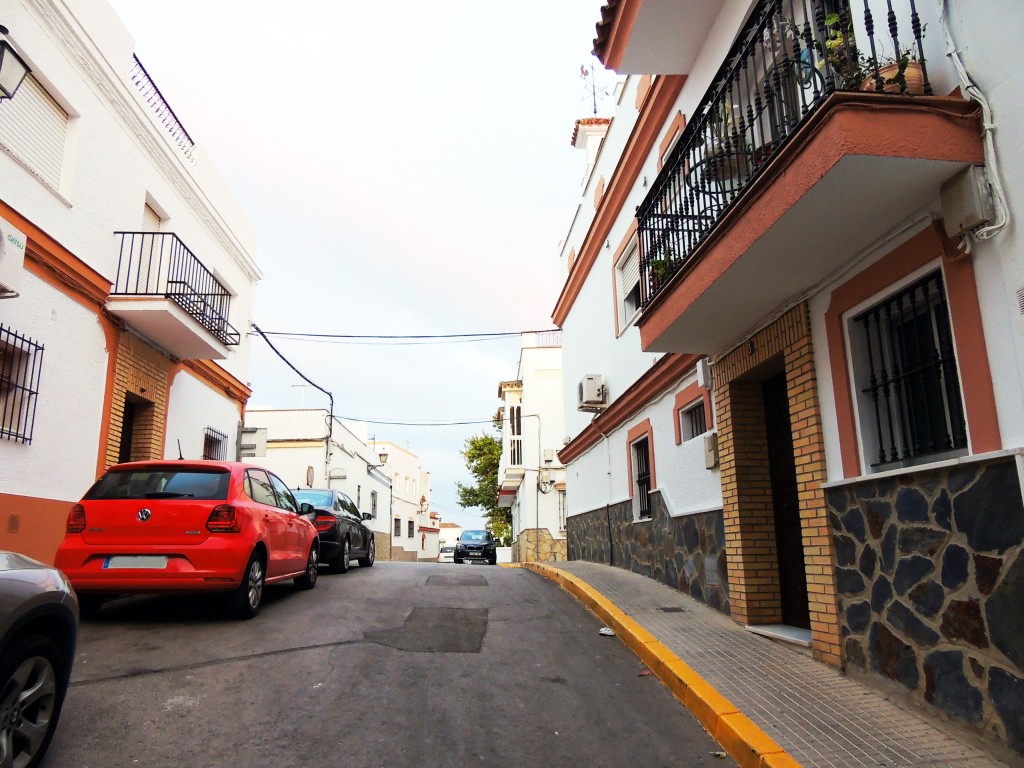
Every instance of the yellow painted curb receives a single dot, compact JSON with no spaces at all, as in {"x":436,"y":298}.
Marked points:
{"x":747,"y":744}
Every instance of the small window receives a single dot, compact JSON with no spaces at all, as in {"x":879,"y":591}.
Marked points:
{"x":21,"y":361}
{"x":693,"y":421}
{"x":642,"y":478}
{"x":214,"y":444}
{"x":398,"y":528}
{"x":627,"y":274}
{"x":906,"y":375}
{"x":373,"y":503}
{"x":412,"y":528}
{"x":561,"y":510}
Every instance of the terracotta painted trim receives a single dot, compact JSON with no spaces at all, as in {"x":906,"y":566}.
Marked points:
{"x":52,"y":262}
{"x":933,"y":127}
{"x":112,"y":333}
{"x":643,"y":429}
{"x":674,"y":129}
{"x":643,"y":88}
{"x":656,"y":110}
{"x":623,"y":246}
{"x":599,"y":193}
{"x":618,"y":35}
{"x":968,"y":339}
{"x":684,"y":398}
{"x":661,"y":376}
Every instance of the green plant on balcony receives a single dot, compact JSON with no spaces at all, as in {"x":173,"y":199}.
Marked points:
{"x":854,"y":70}
{"x":662,"y":267}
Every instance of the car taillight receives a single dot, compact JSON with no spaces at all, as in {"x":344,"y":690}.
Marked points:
{"x":223,"y":519}
{"x":323,"y":523}
{"x":76,"y":519}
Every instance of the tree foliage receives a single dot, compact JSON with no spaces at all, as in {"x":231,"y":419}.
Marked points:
{"x":482,"y":454}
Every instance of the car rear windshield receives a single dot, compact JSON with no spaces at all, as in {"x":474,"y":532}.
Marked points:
{"x":162,"y":483}
{"x":316,"y":498}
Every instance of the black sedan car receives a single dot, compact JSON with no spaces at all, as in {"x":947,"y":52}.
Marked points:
{"x":343,"y":534}
{"x":476,"y":547}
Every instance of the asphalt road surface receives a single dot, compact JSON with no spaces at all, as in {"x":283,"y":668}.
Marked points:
{"x":402,"y":664}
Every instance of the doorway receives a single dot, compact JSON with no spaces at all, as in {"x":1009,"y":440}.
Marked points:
{"x":785,"y":503}
{"x":136,"y":429}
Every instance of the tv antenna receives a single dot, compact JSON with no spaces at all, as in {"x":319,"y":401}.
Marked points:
{"x":593,"y":89}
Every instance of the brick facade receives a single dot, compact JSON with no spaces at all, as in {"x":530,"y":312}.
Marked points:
{"x":141,"y":376}
{"x":750,"y":536}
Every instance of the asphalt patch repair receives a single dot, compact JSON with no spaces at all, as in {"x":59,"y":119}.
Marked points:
{"x":475,"y":580}
{"x":437,"y":630}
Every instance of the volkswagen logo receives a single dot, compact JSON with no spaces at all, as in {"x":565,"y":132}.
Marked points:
{"x":144,"y":515}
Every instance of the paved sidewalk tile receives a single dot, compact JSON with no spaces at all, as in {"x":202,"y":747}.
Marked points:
{"x":819,"y":716}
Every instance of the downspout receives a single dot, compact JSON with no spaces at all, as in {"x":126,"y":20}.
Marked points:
{"x":607,"y":504}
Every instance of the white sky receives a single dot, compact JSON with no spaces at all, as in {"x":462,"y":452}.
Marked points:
{"x":408,"y":169}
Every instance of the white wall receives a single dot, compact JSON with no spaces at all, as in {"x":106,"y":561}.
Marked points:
{"x":60,"y":462}
{"x":192,"y":407}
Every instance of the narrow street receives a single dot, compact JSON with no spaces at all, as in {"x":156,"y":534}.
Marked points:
{"x":399,"y":665}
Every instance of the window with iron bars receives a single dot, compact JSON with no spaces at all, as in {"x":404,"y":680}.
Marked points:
{"x":214,"y":444}
{"x":412,"y":529}
{"x":906,"y":374}
{"x":398,"y":528}
{"x":642,"y":478}
{"x":693,"y":421}
{"x":21,"y":362}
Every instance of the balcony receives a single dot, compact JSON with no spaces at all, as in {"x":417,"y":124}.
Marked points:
{"x":810,"y":145}
{"x":166,"y":294}
{"x":511,"y":472}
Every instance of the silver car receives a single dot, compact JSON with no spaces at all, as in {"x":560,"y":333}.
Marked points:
{"x":38,"y":630}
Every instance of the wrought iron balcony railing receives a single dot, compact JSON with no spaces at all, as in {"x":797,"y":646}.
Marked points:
{"x":158,"y":264}
{"x":789,"y":58}
{"x":152,"y":95}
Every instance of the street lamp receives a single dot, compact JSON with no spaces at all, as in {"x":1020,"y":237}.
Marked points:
{"x":12,"y":68}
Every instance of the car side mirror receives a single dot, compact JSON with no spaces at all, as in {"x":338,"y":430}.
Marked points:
{"x":367,"y":516}
{"x":305,"y":508}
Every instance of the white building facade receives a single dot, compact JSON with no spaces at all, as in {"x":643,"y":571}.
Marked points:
{"x":531,"y":478}
{"x":126,"y":274}
{"x":793,"y":319}
{"x":414,"y":535}
{"x":308,"y":448}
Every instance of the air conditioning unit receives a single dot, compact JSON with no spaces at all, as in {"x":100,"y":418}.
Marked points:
{"x":12,"y":259}
{"x":593,"y":394}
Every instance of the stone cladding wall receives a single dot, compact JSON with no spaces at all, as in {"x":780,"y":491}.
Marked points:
{"x":400,"y":554}
{"x":537,"y":544}
{"x":687,"y":553}
{"x":382,"y":542}
{"x":930,"y":574}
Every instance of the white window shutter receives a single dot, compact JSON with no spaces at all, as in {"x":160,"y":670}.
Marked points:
{"x":34,"y":128}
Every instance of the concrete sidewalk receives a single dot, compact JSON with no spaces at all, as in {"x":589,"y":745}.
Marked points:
{"x":769,"y":706}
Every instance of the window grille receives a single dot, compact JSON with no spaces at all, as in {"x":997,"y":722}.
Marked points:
{"x":398,"y":528}
{"x":373,"y":503}
{"x":693,"y":421}
{"x":561,"y":510}
{"x":909,"y":374}
{"x":642,"y":472}
{"x":21,"y":362}
{"x":412,"y":528}
{"x":214,"y":444}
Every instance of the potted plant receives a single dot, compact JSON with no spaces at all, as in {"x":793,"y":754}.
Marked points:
{"x":854,"y":70}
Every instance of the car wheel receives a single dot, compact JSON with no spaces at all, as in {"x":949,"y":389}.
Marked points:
{"x":344,"y":560}
{"x":371,"y":555}
{"x":246,"y":600}
{"x":88,"y":607}
{"x":457,"y":560}
{"x":32,"y":692}
{"x":308,"y":579}
{"x":493,"y":561}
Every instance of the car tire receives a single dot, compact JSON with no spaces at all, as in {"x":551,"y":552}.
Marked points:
{"x":89,"y":606}
{"x":371,"y":555}
{"x":32,"y":687}
{"x":308,"y":579}
{"x":493,"y":561}
{"x":245,"y":601}
{"x":457,"y":560}
{"x":343,"y":561}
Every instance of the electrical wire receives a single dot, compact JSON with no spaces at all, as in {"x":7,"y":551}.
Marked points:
{"x":305,"y":334}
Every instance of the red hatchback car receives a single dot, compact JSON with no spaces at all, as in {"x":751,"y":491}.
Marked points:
{"x":181,"y":526}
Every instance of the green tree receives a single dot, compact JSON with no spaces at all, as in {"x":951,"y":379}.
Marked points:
{"x":482,"y":454}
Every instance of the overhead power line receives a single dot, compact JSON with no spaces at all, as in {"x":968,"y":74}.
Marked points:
{"x":387,"y":337}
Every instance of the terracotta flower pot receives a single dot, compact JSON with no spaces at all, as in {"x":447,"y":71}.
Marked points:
{"x":912,"y":74}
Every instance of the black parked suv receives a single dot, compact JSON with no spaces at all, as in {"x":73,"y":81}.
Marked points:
{"x":476,"y":547}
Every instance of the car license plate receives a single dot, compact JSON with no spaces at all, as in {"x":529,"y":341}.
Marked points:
{"x":135,"y":561}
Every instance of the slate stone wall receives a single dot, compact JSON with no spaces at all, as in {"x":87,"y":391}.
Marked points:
{"x":930,"y":572}
{"x":687,"y":553}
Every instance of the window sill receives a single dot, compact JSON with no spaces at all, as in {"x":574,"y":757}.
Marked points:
{"x":970,"y":459}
